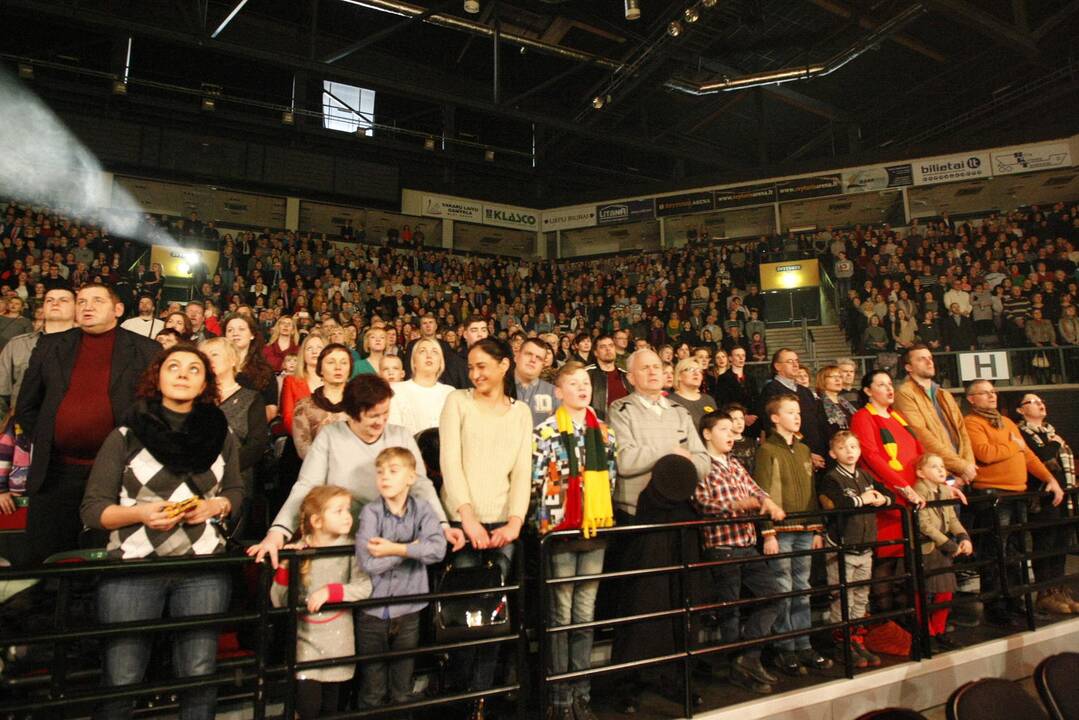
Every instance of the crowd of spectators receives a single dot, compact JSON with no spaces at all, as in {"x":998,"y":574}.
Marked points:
{"x":564,"y":395}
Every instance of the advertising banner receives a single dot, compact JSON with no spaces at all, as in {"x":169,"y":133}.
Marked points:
{"x":1032,"y":158}
{"x":810,"y":187}
{"x":745,"y":196}
{"x":873,"y":179}
{"x":683,"y":204}
{"x":511,"y":217}
{"x":625,"y":211}
{"x":950,"y":168}
{"x":569,"y":218}
{"x":452,"y":208}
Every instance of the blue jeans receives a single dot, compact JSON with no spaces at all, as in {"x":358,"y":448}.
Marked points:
{"x":474,"y":668}
{"x":573,"y":603}
{"x":728,"y":580}
{"x":793,"y":574}
{"x":194,"y":652}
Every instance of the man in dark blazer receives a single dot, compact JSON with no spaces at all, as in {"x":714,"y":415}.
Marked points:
{"x":814,"y":422}
{"x":958,"y":331}
{"x":78,"y":387}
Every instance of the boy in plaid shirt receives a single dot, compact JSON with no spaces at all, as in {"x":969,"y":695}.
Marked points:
{"x":728,"y":492}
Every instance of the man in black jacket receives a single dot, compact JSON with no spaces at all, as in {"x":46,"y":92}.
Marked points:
{"x":609,"y":382}
{"x":77,"y":388}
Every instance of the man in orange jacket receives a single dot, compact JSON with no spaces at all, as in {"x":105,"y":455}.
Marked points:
{"x":1003,"y":461}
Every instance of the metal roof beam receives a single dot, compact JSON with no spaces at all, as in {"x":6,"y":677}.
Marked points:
{"x":846,"y":12}
{"x":113,"y":23}
{"x":988,"y":25}
{"x":1056,"y":19}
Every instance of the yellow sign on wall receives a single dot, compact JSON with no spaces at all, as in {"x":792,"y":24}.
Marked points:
{"x":790,"y":274}
{"x":178,"y":262}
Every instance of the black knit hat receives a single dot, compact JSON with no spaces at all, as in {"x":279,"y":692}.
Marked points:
{"x":674,"y":477}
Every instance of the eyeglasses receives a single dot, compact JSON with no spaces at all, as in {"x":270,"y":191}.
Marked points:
{"x":1034,"y":401}
{"x":983,"y":392}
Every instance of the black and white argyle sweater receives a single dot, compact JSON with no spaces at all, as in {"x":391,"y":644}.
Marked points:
{"x":144,"y":479}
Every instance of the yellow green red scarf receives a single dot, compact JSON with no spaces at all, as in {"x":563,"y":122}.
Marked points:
{"x":588,"y":494}
{"x":887,"y":439}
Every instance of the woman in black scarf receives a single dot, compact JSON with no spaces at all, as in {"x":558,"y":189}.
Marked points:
{"x":162,"y":485}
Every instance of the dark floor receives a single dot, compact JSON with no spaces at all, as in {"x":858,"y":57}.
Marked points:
{"x":717,"y":692}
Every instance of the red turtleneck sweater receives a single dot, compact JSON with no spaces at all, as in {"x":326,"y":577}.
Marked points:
{"x":85,"y":416}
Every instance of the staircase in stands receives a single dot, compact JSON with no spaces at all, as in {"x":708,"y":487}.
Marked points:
{"x":828,"y":343}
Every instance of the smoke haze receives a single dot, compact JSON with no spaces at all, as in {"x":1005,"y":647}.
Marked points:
{"x":43,"y":163}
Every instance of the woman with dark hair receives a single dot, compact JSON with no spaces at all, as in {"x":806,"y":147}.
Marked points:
{"x":326,"y":404}
{"x":180,"y":323}
{"x":159,"y":485}
{"x":582,"y":349}
{"x":255,"y":372}
{"x":889,"y":454}
{"x":344,"y":454}
{"x":486,"y":453}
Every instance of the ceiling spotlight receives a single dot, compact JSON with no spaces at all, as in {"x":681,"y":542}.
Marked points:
{"x":633,"y":9}
{"x":489,"y":155}
{"x":119,"y":87}
{"x":674,"y":29}
{"x":429,"y":143}
{"x":691,"y":15}
{"x":288,"y":118}
{"x":598,"y":102}
{"x":472,"y":6}
{"x":208,"y":104}
{"x":26,"y":71}
{"x":708,"y":4}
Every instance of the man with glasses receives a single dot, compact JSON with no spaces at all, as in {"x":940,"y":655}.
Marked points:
{"x":1003,"y":462}
{"x":814,"y":422}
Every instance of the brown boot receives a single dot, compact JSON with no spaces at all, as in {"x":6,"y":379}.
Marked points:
{"x":1065,"y":593}
{"x":1052,"y":602}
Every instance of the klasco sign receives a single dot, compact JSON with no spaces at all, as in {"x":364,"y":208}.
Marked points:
{"x":511,"y":217}
{"x":625,"y":211}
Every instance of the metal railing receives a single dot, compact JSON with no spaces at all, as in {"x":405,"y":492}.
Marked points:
{"x":258,"y":678}
{"x":689,"y":609}
{"x":254,"y":675}
{"x":1062,"y":364}
{"x":1004,"y":559}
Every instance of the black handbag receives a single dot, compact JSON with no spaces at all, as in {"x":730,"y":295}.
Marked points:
{"x":477,"y":616}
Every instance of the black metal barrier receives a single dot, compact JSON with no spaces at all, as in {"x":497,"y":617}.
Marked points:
{"x":688,"y":532}
{"x":999,"y":535}
{"x":259,"y":679}
{"x":253,"y":676}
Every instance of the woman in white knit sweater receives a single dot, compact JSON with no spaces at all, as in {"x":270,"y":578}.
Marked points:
{"x":486,"y":456}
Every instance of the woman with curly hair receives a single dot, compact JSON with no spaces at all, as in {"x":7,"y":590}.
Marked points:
{"x":255,"y":372}
{"x":160,"y":486}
